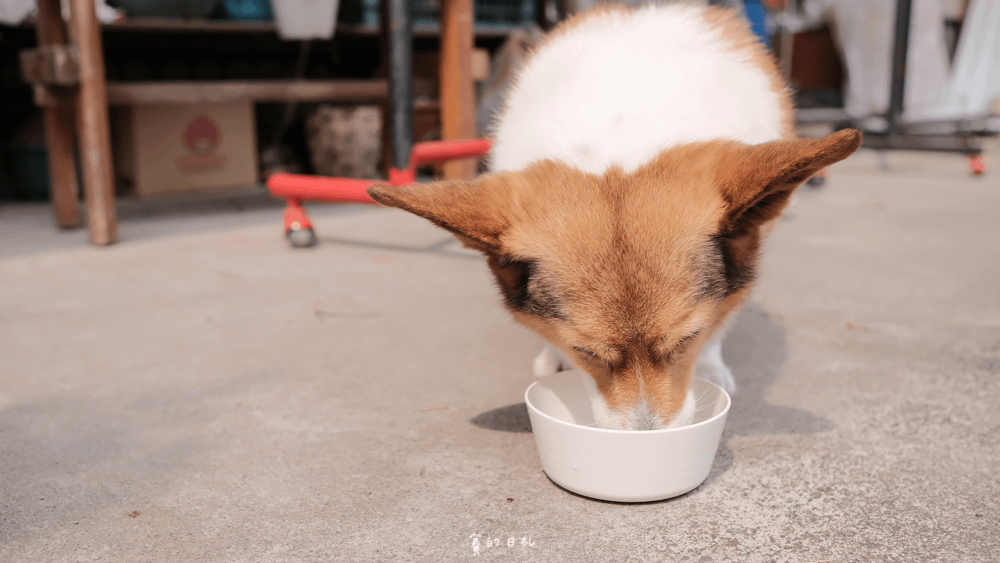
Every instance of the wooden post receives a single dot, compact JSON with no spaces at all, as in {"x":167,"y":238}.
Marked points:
{"x":458,"y":112}
{"x":59,"y":127}
{"x":569,"y":8}
{"x":93,"y":128}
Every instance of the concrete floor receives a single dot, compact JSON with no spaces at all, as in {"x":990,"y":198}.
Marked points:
{"x":202,"y":392}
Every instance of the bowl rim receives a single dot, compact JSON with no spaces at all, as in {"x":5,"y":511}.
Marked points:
{"x":721,"y":414}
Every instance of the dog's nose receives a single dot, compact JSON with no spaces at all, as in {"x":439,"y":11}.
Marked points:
{"x":642,"y":417}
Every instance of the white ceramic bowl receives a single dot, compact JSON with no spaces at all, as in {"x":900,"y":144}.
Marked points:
{"x":619,"y":465}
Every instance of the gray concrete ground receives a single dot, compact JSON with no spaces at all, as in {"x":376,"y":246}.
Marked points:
{"x":202,"y":392}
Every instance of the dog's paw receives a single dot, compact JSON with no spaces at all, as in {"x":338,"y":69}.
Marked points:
{"x":547,"y":363}
{"x":717,"y":373}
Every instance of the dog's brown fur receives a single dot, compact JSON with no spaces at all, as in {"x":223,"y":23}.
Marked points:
{"x":628,"y":273}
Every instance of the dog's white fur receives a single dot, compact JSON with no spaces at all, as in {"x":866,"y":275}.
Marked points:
{"x":618,"y":89}
{"x":621,"y":88}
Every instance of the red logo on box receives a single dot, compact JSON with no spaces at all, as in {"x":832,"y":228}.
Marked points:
{"x":201,"y":138}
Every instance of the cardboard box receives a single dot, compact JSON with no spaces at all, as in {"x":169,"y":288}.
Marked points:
{"x":170,"y":148}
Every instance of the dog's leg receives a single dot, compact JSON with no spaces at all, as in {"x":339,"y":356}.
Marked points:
{"x":547,"y":362}
{"x":710,"y":367}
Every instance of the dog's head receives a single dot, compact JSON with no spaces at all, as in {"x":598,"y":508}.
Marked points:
{"x":628,"y":273}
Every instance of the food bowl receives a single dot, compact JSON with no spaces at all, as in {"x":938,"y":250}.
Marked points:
{"x":621,"y":465}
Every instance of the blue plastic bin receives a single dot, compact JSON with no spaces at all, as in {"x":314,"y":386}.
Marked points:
{"x":248,"y":10}
{"x":30,"y":167}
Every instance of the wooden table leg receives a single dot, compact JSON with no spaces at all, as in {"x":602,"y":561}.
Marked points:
{"x":458,"y":112}
{"x":60,"y":136}
{"x":93,"y":129}
{"x":567,"y":8}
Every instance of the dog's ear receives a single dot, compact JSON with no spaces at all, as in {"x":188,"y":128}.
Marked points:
{"x":757,"y":180}
{"x":475,"y":211}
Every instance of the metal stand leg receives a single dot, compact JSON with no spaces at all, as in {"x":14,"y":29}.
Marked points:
{"x":400,"y":81}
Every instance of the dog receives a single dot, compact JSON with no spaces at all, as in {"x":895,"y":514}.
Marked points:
{"x":639,"y":161}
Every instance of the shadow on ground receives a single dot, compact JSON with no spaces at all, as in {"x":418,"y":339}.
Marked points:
{"x":512,"y":418}
{"x":447,"y":246}
{"x":756,"y":349}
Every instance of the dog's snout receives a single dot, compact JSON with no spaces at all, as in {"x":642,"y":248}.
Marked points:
{"x":642,"y":417}
{"x":641,"y":408}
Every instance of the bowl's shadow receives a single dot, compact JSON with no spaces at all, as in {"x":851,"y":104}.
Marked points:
{"x":512,"y":418}
{"x":755,"y":349}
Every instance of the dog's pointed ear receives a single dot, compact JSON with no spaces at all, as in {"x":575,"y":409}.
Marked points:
{"x":758,"y":180}
{"x":475,"y":211}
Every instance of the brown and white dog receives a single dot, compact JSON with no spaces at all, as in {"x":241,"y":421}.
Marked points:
{"x":640,"y":159}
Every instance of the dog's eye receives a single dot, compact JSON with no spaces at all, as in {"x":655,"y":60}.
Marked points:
{"x":679,"y":347}
{"x":589,"y":354}
{"x":687,"y":339}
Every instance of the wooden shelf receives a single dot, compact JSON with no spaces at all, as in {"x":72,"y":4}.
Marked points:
{"x":90,"y":99}
{"x":426,"y":30}
{"x":192,"y":92}
{"x":179,"y":25}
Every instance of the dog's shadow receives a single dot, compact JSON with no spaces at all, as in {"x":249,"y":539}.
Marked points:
{"x":755,"y":349}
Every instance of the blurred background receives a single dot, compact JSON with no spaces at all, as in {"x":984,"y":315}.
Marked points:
{"x":210,"y":95}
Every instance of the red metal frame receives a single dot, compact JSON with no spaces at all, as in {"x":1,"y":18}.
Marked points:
{"x":296,"y":188}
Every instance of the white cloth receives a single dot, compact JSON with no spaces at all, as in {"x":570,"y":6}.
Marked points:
{"x":864,"y":33}
{"x":13,"y":12}
{"x":973,"y":85}
{"x":305,"y":19}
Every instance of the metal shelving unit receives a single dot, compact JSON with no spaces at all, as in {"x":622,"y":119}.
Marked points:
{"x":967,"y":139}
